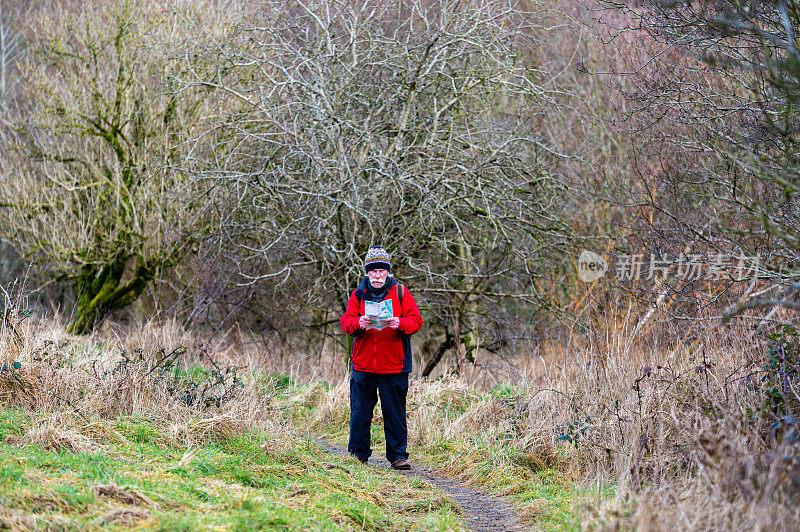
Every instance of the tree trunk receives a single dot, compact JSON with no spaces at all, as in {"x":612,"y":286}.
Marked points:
{"x":467,"y":323}
{"x":449,"y":342}
{"x":101,"y":292}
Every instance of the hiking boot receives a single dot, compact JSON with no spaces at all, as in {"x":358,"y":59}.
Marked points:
{"x":360,"y":458}
{"x":401,"y":464}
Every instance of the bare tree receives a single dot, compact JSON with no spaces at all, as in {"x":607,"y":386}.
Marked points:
{"x":713,"y":110}
{"x":11,"y":46}
{"x":99,"y":197}
{"x":409,"y":124}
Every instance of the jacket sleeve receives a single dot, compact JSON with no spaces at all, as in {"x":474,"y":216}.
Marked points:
{"x":349,"y":319}
{"x":410,"y":318}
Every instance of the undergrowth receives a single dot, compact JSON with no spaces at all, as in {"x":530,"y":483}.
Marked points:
{"x":701,"y":435}
{"x":159,"y":436}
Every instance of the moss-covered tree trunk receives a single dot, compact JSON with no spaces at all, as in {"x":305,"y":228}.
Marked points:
{"x":101,"y":290}
{"x":100,"y":193}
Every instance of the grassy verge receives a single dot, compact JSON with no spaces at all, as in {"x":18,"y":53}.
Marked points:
{"x":471,"y":435}
{"x":129,"y":472}
{"x":153,"y":432}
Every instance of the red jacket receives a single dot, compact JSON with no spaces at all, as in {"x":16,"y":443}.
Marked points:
{"x":387,"y":350}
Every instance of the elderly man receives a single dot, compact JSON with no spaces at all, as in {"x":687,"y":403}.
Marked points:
{"x":381,"y":315}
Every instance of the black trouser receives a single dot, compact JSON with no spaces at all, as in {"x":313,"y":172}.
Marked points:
{"x":364,"y":389}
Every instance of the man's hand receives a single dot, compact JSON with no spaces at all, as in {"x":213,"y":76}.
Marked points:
{"x":393,"y":322}
{"x":363,"y":322}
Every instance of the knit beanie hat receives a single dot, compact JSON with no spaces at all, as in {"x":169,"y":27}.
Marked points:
{"x":377,"y":258}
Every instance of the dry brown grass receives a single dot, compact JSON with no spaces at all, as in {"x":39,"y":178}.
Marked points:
{"x":16,"y":520}
{"x":122,"y":494}
{"x":674,"y":429}
{"x":216,"y":428}
{"x":76,"y":384}
{"x":49,"y":433}
{"x":669,"y":424}
{"x":671,"y":428}
{"x":124,"y":516}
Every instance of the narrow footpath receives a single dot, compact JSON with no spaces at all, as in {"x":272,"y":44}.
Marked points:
{"x":482,"y":512}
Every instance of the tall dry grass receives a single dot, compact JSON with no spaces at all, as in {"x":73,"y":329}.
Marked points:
{"x":190,"y":389}
{"x":685,"y":433}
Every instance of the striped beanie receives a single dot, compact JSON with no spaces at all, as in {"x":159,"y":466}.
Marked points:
{"x":377,"y":258}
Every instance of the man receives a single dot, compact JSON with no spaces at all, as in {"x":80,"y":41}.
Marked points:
{"x":381,"y":315}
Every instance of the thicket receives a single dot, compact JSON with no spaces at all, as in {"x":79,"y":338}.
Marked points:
{"x":710,"y":107}
{"x":228,"y":163}
{"x":232,"y":161}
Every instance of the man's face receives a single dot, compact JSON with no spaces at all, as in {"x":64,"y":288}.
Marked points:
{"x":377,"y":277}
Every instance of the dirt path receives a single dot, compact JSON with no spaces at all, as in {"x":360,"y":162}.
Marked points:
{"x":482,"y":512}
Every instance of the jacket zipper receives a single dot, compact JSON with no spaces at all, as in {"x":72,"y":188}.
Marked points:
{"x":375,"y":352}
{"x":375,"y":344}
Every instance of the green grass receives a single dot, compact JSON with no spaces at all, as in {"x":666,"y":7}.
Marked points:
{"x":546,"y":498}
{"x":256,"y":481}
{"x":281,"y":481}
